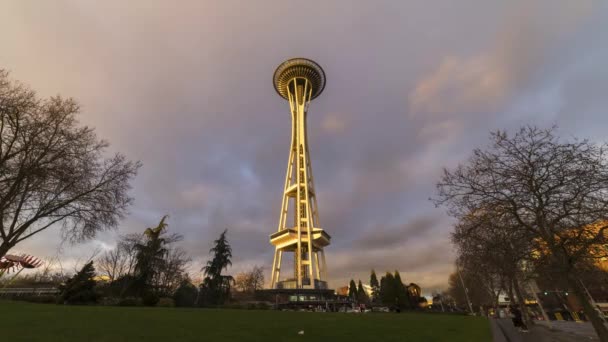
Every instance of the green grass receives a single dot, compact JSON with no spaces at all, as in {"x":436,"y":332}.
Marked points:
{"x":49,"y":322}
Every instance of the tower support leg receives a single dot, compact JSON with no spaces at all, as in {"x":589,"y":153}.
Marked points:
{"x":318,"y":269}
{"x":323,"y":265}
{"x":273,"y":276}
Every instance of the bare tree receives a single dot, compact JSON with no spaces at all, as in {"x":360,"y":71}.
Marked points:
{"x":489,"y":280}
{"x":173,"y":270}
{"x":112,"y":263}
{"x":128,"y":244}
{"x":151,"y":258}
{"x":491,"y":246}
{"x":53,"y":171}
{"x":467,"y":286}
{"x":250,"y":281}
{"x":556,"y":191}
{"x":120,"y":260}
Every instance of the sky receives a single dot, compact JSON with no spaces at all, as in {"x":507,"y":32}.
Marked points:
{"x":412,"y":87}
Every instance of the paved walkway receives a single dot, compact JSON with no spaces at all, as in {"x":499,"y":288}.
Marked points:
{"x":584,"y":329}
{"x":503,"y":331}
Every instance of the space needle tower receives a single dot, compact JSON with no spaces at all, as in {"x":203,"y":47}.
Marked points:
{"x":299,"y":238}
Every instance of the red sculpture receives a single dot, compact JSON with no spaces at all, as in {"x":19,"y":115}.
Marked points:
{"x":15,"y":263}
{"x":25,"y":261}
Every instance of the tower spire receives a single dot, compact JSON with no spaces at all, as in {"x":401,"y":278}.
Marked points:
{"x":299,"y":80}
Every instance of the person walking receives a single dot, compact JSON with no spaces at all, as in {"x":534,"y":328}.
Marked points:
{"x":517,"y":319}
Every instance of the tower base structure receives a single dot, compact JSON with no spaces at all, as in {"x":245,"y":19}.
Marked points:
{"x":286,"y":241}
{"x":304,"y":299}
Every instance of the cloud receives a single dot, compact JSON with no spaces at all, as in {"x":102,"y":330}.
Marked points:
{"x":484,"y":82}
{"x":333,"y":124}
{"x":198,"y":195}
{"x":459,"y":85}
{"x":381,"y":237}
{"x":412,"y":87}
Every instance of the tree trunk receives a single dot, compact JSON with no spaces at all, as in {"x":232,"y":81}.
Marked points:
{"x":4,"y":248}
{"x":589,"y":310}
{"x":522,"y":303}
{"x":510,"y":290}
{"x":495,"y":303}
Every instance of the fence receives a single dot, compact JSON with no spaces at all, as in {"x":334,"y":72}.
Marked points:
{"x":22,"y":291}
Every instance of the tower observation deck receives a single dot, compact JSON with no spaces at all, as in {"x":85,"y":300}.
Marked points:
{"x":299,"y":234}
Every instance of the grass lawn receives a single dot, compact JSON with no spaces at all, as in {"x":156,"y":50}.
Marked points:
{"x":49,"y":322}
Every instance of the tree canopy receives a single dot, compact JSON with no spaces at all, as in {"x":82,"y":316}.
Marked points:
{"x":352,"y":290}
{"x":53,"y":171}
{"x":250,"y":281}
{"x":80,"y":288}
{"x":215,"y":288}
{"x":373,"y":282}
{"x":550,"y":192}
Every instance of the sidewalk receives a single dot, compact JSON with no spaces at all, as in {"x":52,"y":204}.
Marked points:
{"x":583,"y":329}
{"x":503,"y":331}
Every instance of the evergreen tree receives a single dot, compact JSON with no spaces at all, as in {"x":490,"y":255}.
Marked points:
{"x":401,"y":291}
{"x":362,"y":297}
{"x":216,"y":287}
{"x":388,"y":291}
{"x":222,"y":253}
{"x":149,"y":259}
{"x":382,"y":293}
{"x":373,"y":282}
{"x":352,"y":290}
{"x":80,"y":289}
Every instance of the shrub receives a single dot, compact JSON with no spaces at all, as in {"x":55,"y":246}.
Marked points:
{"x":166,"y":302}
{"x":262,"y":306}
{"x":247,"y":306}
{"x":128,"y":301}
{"x":149,"y":299}
{"x":110,"y":301}
{"x":185,"y":295}
{"x":42,"y":299}
{"x":122,"y":287}
{"x":233,"y":306}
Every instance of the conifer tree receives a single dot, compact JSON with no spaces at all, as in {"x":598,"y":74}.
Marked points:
{"x":80,"y":288}
{"x":400,"y":291}
{"x":362,"y":297}
{"x":388,"y":291}
{"x":216,"y":287}
{"x":222,"y":255}
{"x":150,"y":256}
{"x":382,"y":293}
{"x":352,"y":290}
{"x":373,"y":282}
